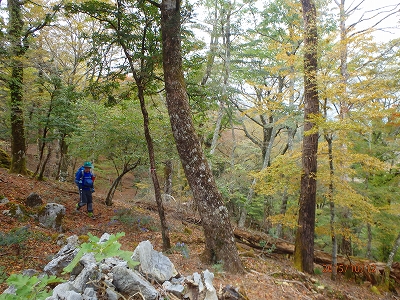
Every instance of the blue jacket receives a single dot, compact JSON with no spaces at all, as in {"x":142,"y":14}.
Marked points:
{"x":84,"y":180}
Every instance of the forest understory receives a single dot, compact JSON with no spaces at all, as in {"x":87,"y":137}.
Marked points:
{"x":268,"y":275}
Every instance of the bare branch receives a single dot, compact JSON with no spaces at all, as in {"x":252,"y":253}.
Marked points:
{"x":251,"y":137}
{"x":154,"y":3}
{"x":247,"y":115}
{"x":383,"y":13}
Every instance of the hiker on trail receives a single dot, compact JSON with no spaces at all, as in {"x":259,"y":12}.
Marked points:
{"x":84,"y":178}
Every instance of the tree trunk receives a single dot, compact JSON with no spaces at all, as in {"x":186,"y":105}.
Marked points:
{"x":285,"y":198}
{"x":168,"y":178}
{"x":369,"y":242}
{"x":269,"y":131}
{"x":153,"y":172}
{"x":114,"y":185}
{"x":217,"y":128}
{"x":329,"y":140}
{"x":219,"y":242}
{"x":288,"y":148}
{"x":15,"y":84}
{"x":140,"y":74}
{"x":226,"y":69}
{"x":213,"y":46}
{"x":346,"y":247}
{"x":390,"y":261}
{"x":43,"y":168}
{"x":233,"y":140}
{"x":62,"y":168}
{"x":304,"y":245}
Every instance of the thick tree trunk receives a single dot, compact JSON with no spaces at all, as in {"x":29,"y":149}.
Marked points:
{"x":15,"y":84}
{"x":219,"y":241}
{"x":304,"y":246}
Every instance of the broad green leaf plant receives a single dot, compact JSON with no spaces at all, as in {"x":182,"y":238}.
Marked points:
{"x":30,"y":287}
{"x":34,"y":287}
{"x":109,"y":248}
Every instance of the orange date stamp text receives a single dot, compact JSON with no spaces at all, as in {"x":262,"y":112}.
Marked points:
{"x":358,"y":268}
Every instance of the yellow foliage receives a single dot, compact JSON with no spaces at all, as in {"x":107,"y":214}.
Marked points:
{"x":288,"y":220}
{"x":141,"y":185}
{"x":284,"y":173}
{"x":187,"y":230}
{"x":393,"y":208}
{"x":375,"y":290}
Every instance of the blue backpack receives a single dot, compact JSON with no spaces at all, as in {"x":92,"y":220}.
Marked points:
{"x":79,"y":177}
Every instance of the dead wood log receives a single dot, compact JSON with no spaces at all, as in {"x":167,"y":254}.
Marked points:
{"x":362,"y":269}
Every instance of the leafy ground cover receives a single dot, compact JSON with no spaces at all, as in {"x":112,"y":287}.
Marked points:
{"x":27,"y":245}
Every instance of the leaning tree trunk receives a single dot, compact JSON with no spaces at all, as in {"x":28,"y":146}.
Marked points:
{"x":43,"y":168}
{"x":219,"y":241}
{"x":114,"y":185}
{"x":304,"y":246}
{"x":153,"y":172}
{"x":15,"y":84}
{"x":62,"y":166}
{"x":390,"y":261}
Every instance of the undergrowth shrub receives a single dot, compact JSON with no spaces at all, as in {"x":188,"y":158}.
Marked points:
{"x":134,"y":220}
{"x":15,"y":236}
{"x":3,"y":274}
{"x":181,"y":248}
{"x":30,"y":287}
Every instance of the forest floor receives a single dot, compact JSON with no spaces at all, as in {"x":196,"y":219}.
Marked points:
{"x":268,"y":276}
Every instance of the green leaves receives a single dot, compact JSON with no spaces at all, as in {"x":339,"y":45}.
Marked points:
{"x":27,"y":287}
{"x":109,"y":248}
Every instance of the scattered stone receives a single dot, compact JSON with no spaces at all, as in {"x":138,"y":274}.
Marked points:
{"x":13,"y":211}
{"x":4,"y":201}
{"x":152,"y":263}
{"x":313,"y":280}
{"x":111,"y":294}
{"x":176,"y":289}
{"x":33,"y":200}
{"x":111,"y":278}
{"x":367,"y":284}
{"x":61,"y":240}
{"x":51,"y":216}
{"x":200,"y":286}
{"x":63,"y":257}
{"x":131,"y":282}
{"x":232,"y":293}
